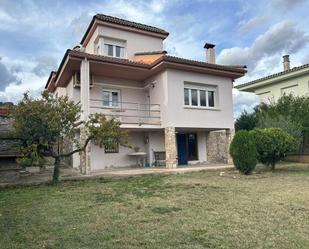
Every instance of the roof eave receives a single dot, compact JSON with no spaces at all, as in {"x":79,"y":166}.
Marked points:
{"x":259,"y":83}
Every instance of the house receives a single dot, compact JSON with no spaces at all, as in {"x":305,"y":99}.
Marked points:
{"x":290,"y":81}
{"x":177,"y":111}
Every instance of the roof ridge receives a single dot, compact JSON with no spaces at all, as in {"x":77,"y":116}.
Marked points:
{"x":127,"y":22}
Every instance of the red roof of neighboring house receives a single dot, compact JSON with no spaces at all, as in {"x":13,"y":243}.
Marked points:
{"x":4,"y":111}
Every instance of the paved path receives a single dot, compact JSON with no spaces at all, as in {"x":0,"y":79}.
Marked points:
{"x":73,"y":174}
{"x":119,"y":173}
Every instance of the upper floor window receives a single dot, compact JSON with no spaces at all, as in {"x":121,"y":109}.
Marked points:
{"x":114,"y":47}
{"x":199,"y":97}
{"x":113,"y":50}
{"x":111,"y":98}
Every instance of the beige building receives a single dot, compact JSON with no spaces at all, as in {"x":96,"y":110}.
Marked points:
{"x":290,"y":81}
{"x":171,"y":106}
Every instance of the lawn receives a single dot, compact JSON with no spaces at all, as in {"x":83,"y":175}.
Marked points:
{"x":196,"y":210}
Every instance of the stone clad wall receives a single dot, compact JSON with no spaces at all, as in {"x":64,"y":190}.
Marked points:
{"x":170,"y":147}
{"x":8,"y":146}
{"x":217,"y":146}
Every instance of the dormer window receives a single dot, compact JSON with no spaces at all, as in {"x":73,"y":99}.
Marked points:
{"x":110,"y":47}
{"x":114,"y":48}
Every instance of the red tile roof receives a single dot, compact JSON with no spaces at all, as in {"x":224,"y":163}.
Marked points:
{"x":123,"y":22}
{"x":164,"y":59}
{"x":151,"y":52}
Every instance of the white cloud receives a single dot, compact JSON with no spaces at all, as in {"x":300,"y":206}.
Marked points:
{"x":6,"y":18}
{"x":248,"y":25}
{"x":286,"y":4}
{"x":24,"y":79}
{"x":45,"y":64}
{"x":31,"y":83}
{"x":243,"y":101}
{"x":283,"y":37}
{"x":158,"y":6}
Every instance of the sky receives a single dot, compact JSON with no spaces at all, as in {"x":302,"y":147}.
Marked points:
{"x":34,"y":35}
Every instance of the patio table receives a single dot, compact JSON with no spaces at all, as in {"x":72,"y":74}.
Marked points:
{"x":139,"y":155}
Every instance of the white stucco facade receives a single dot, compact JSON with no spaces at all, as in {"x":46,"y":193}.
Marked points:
{"x":168,"y":91}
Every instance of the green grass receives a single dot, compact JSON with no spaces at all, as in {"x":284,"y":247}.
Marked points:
{"x":197,"y":210}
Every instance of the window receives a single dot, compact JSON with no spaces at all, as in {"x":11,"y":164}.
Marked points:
{"x":112,"y":146}
{"x":199,"y":97}
{"x":194,"y":100}
{"x":203,"y":98}
{"x":211,"y":98}
{"x":187,"y":96}
{"x":110,"y":98}
{"x":113,"y":50}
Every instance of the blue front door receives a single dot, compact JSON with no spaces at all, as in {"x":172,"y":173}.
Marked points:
{"x":182,"y":149}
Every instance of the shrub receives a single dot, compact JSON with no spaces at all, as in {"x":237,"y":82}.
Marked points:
{"x":243,"y":152}
{"x":273,"y":144}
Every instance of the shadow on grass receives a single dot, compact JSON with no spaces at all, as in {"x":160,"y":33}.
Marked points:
{"x":165,"y":210}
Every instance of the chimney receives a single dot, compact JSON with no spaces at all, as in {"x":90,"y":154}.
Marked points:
{"x":286,"y":62}
{"x":210,"y":53}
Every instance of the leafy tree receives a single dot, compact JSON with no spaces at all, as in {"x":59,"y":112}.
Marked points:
{"x":273,"y":144}
{"x":243,"y":152}
{"x":246,"y":121}
{"x":289,"y":107}
{"x":286,"y":123}
{"x":6,"y":104}
{"x":43,"y":125}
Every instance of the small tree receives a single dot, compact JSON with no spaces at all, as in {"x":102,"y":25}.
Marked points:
{"x":42,"y":125}
{"x":273,"y":144}
{"x":243,"y":152}
{"x":246,"y":121}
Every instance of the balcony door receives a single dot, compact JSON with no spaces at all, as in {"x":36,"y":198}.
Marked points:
{"x":187,"y":147}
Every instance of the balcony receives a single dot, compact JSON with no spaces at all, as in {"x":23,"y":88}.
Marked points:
{"x":128,"y":113}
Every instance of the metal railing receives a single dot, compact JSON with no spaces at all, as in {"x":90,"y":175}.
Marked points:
{"x":128,"y":112}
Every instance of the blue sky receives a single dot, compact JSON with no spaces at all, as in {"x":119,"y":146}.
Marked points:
{"x":35,"y":34}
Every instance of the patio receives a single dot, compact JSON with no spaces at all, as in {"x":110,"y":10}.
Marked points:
{"x":18,"y":177}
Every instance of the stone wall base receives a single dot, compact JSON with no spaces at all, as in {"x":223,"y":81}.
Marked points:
{"x":85,"y":162}
{"x":170,"y":147}
{"x":217,"y":146}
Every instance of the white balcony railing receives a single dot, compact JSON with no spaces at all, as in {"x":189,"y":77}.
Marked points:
{"x":128,"y":112}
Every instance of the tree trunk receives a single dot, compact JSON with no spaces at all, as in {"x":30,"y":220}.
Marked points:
{"x":56,"y":170}
{"x":273,"y":166}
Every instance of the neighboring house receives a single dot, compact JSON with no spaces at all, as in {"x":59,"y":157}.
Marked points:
{"x":290,"y":81}
{"x":172,"y":107}
{"x":293,"y":81}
